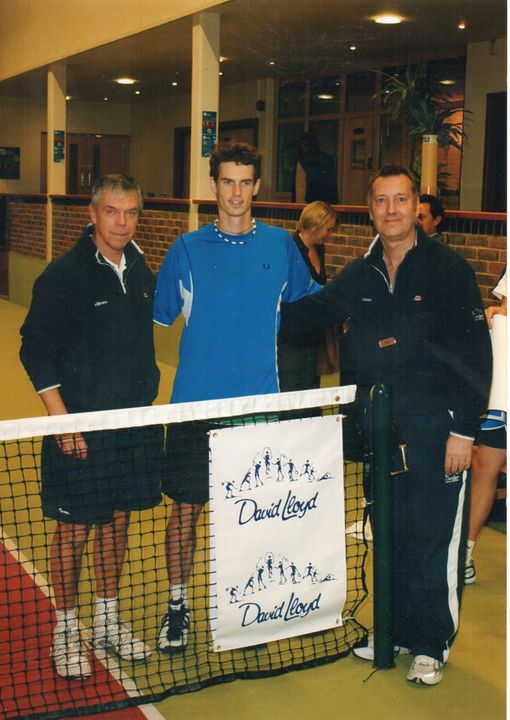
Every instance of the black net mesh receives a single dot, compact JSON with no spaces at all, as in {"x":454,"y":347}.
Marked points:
{"x":121,"y":667}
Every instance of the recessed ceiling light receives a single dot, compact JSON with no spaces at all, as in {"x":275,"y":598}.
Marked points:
{"x":325,"y":96}
{"x":105,"y":99}
{"x":174,"y":84}
{"x":447,"y":81}
{"x":125,"y":81}
{"x":69,"y":97}
{"x":220,"y":73}
{"x":137,"y":92}
{"x":272,"y":62}
{"x":388,"y":19}
{"x":462,"y":25}
{"x":353,"y":47}
{"x":223,"y":58}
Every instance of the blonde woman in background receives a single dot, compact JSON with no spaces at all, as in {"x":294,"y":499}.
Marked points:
{"x":298,"y":355}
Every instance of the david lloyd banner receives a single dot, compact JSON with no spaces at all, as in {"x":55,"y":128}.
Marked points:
{"x":277,"y":522}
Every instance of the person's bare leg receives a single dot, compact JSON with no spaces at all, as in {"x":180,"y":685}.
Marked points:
{"x":486,"y":466}
{"x":180,"y":541}
{"x":180,"y":548}
{"x":65,"y":562}
{"x":109,"y":553}
{"x":67,"y":651}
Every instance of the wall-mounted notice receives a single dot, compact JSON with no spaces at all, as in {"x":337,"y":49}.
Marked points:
{"x":9,"y":163}
{"x":208,"y":132}
{"x":59,"y":145}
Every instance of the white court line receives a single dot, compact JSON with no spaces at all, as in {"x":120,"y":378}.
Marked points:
{"x":109,"y":663}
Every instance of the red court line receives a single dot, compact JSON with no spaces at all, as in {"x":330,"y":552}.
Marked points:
{"x":28,"y":682}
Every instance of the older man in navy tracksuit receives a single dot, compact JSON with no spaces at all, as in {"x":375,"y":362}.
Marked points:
{"x":417,"y":324}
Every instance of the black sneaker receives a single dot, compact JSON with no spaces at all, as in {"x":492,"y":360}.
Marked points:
{"x":173,"y":635}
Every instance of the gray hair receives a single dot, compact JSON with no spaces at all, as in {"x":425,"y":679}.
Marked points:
{"x":116,"y":183}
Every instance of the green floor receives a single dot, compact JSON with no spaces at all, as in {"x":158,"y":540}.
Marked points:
{"x":474,"y":686}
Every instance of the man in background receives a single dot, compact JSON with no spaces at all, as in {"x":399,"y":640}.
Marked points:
{"x":431,"y":216}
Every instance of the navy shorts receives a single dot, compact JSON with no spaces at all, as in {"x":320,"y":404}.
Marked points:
{"x":492,"y":431}
{"x":122,"y":471}
{"x":186,"y":467}
{"x":186,"y":474}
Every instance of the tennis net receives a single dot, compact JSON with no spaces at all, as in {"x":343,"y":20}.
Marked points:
{"x":274,"y":581}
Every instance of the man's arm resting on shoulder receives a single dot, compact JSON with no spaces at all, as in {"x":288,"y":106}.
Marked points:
{"x":323,"y":308}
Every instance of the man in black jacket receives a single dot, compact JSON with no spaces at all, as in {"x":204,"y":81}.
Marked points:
{"x":417,"y":325}
{"x":87,"y":344}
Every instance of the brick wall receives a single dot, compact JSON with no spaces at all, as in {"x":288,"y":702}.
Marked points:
{"x":68,"y":224}
{"x":27,"y":225}
{"x":160,"y":226}
{"x":157,"y":231}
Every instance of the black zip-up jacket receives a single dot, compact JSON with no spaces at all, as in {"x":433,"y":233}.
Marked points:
{"x":426,"y":336}
{"x":90,"y":333}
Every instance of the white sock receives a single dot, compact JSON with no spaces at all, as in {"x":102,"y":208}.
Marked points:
{"x":179,"y":594}
{"x":66,"y":619}
{"x":105,"y":607}
{"x":469,"y":549}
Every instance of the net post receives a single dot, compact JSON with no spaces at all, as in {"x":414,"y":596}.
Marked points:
{"x":380,"y":402}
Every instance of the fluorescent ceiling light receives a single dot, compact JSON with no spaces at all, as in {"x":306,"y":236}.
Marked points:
{"x":325,"y":96}
{"x":388,"y":19}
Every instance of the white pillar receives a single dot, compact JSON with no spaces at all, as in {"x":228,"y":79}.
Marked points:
{"x":56,"y":129}
{"x":205,"y":90}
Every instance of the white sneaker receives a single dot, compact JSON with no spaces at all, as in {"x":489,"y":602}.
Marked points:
{"x":426,"y":670}
{"x":69,"y":654}
{"x":469,"y":572}
{"x":366,"y":652}
{"x":119,"y":637}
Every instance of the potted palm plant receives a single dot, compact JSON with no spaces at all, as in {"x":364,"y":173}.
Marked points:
{"x":429,"y":113}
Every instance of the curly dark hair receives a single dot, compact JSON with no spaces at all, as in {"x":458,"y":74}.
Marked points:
{"x":238,"y":152}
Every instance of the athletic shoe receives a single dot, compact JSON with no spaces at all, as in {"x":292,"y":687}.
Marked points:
{"x":69,"y":654}
{"x":366,"y":652}
{"x":119,"y":637}
{"x":425,"y":670}
{"x":173,"y":635}
{"x":469,"y":572}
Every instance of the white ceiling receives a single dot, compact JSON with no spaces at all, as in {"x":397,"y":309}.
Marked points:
{"x":301,"y":37}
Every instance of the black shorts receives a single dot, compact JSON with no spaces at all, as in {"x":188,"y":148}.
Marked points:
{"x":494,"y":438}
{"x":186,"y":473}
{"x":122,"y":471}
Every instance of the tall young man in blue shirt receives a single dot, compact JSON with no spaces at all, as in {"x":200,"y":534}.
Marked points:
{"x":227,"y":279}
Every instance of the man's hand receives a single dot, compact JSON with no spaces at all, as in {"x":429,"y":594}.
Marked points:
{"x":73,"y":444}
{"x":458,"y":454}
{"x":494,"y":310}
{"x":69,"y":443}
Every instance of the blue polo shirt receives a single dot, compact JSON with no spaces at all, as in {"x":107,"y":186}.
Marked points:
{"x":229,"y":290}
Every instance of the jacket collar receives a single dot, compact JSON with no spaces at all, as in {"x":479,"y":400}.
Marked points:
{"x":86,"y":244}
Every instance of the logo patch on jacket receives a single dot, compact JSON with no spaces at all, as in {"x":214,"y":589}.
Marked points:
{"x":100,"y":302}
{"x":417,"y":298}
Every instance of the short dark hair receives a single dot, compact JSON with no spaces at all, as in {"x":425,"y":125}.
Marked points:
{"x":116,"y":182}
{"x":390,"y":171}
{"x":238,"y":152}
{"x":435,"y":206}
